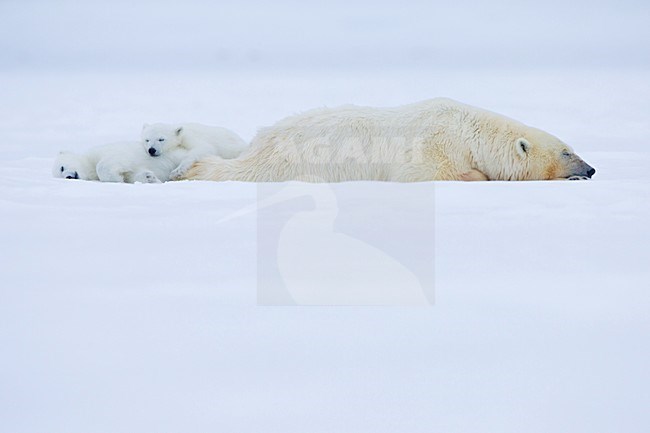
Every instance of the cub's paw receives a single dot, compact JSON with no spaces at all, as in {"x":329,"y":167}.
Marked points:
{"x":578,"y":178}
{"x":146,"y":177}
{"x":176,"y":174}
{"x":179,"y":172}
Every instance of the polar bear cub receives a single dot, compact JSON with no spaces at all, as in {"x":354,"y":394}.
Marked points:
{"x":70,"y":165}
{"x":184,"y":144}
{"x":114,"y":162}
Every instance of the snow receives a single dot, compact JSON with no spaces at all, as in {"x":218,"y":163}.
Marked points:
{"x":134,"y":307}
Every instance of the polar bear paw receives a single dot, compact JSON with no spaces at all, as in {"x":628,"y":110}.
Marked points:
{"x":473,"y":176}
{"x":176,"y":174}
{"x":179,"y":172}
{"x":146,"y":177}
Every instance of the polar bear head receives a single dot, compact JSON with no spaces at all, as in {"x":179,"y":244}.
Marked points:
{"x":160,"y":138}
{"x":520,"y":152}
{"x":68,"y":165}
{"x":541,"y":156}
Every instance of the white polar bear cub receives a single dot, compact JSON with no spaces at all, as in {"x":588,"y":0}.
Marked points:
{"x":115,"y":162}
{"x":186,"y":143}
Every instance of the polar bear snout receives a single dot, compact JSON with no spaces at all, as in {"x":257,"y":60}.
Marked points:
{"x":581,"y":169}
{"x":73,"y":175}
{"x":153,"y":151}
{"x":586,"y":170}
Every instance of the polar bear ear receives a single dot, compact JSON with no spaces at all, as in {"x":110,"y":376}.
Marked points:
{"x":522,"y":146}
{"x":179,"y":130}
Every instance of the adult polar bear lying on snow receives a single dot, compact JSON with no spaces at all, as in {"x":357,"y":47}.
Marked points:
{"x":184,"y":144}
{"x":115,"y":162}
{"x":437,"y":139}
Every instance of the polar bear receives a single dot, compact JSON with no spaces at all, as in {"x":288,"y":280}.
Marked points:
{"x":114,"y":162}
{"x":184,"y":144}
{"x":70,"y":165}
{"x":437,"y":139}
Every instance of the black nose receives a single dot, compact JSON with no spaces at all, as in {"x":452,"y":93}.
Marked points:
{"x":591,"y":172}
{"x":152,"y":151}
{"x":73,"y":176}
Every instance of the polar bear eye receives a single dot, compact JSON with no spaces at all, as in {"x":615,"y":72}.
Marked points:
{"x":566,"y":153}
{"x":61,"y":169}
{"x":147,"y":140}
{"x":161,"y":139}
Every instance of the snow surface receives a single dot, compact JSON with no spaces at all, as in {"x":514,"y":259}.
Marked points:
{"x":129,"y":308}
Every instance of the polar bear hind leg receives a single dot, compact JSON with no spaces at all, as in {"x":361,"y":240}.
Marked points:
{"x":108,"y":171}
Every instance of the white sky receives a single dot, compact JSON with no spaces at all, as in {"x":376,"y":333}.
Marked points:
{"x":194,"y":34}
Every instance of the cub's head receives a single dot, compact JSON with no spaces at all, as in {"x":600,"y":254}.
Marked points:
{"x":541,"y":156}
{"x":160,"y":138}
{"x":68,"y":165}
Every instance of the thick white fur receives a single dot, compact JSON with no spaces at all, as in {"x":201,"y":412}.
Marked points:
{"x":184,"y":144}
{"x":437,"y":139}
{"x":115,"y":162}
